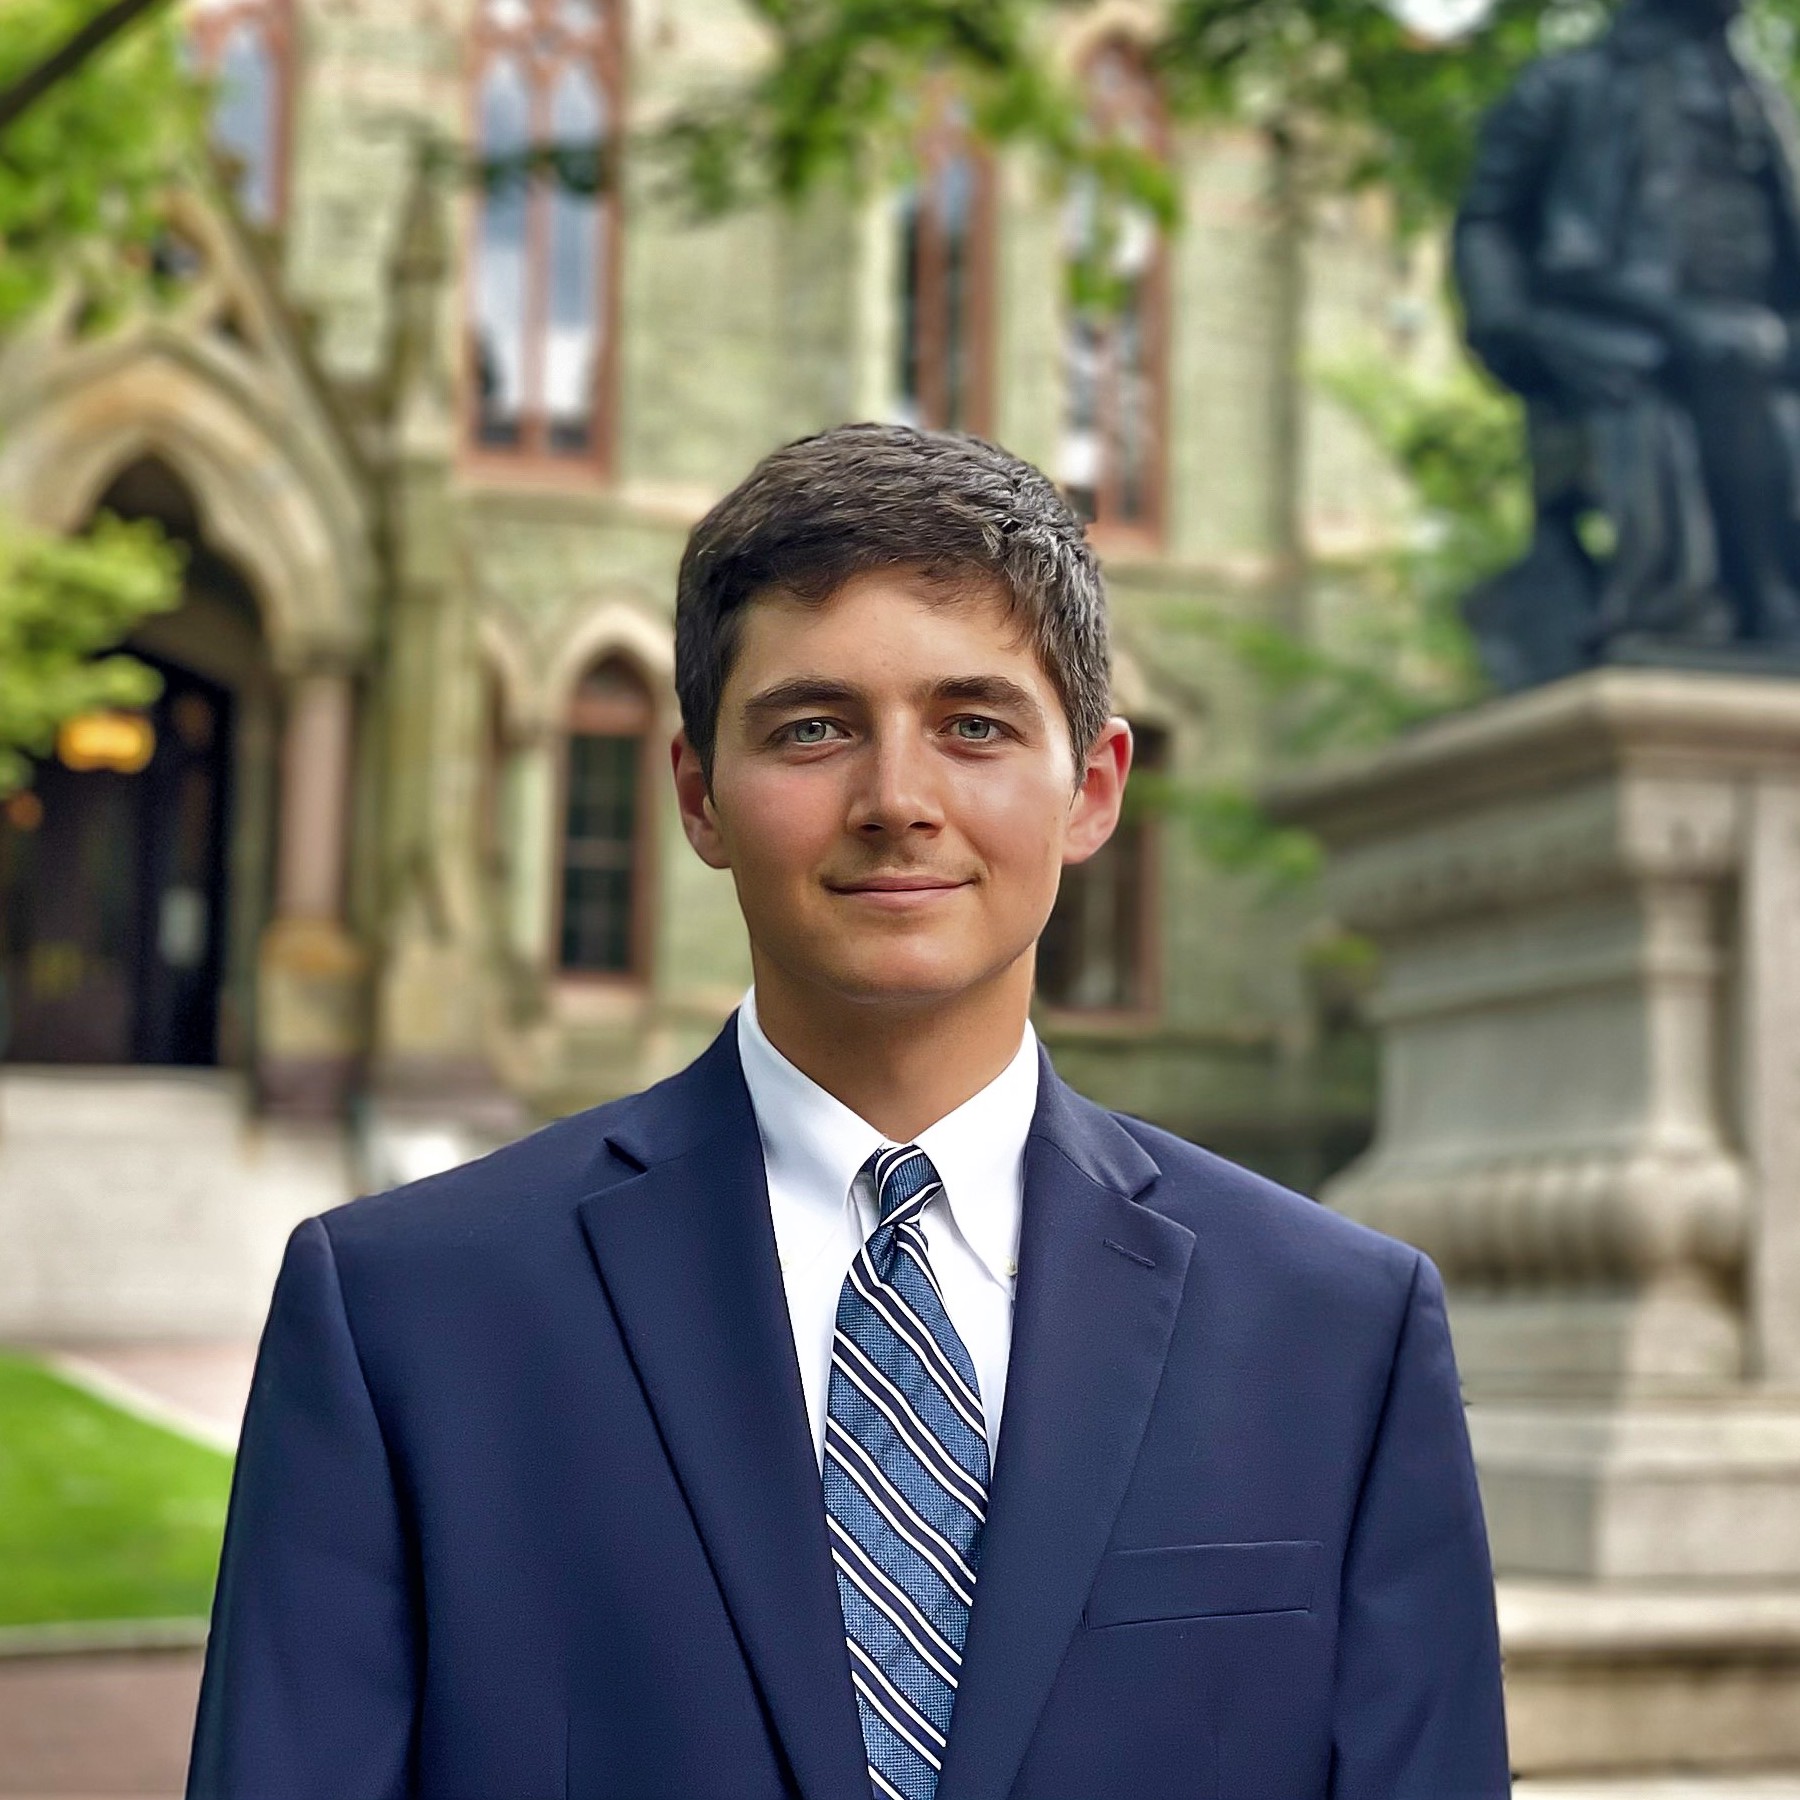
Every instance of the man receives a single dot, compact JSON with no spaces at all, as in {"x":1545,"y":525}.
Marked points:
{"x":694,"y":1447}
{"x":1628,"y":253}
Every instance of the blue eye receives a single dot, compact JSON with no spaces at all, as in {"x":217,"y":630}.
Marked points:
{"x":977,"y":731}
{"x":810,"y":731}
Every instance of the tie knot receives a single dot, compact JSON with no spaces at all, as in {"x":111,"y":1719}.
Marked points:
{"x":904,"y":1181}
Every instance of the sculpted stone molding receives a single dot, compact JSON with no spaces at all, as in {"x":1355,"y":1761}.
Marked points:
{"x":1584,"y":900}
{"x":274,"y":502}
{"x":1594,"y":834}
{"x":1560,"y":1218}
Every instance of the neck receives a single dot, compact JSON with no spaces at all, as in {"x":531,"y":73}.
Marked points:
{"x":901,"y":1066}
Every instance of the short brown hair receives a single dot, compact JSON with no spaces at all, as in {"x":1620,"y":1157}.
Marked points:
{"x":816,"y":512}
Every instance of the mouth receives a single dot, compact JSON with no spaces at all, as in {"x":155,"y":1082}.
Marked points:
{"x":897,"y":890}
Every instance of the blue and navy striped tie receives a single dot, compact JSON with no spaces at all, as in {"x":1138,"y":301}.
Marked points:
{"x":906,"y":1485}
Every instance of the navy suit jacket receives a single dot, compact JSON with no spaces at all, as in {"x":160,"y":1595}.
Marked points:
{"x":527,"y":1507}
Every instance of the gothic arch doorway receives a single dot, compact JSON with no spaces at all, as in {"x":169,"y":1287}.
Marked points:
{"x":133,"y":884}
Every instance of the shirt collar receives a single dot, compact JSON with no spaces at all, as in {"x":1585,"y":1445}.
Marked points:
{"x":814,"y":1145}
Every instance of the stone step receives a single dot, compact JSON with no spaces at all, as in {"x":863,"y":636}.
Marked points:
{"x":1604,"y":1680}
{"x":1671,"y":1787}
{"x":148,"y":1204}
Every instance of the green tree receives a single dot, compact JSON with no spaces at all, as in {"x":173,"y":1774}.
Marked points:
{"x":1351,"y":89}
{"x":836,"y":98}
{"x":63,"y":602}
{"x":1403,"y":655}
{"x":84,"y":170}
{"x":82,"y":175}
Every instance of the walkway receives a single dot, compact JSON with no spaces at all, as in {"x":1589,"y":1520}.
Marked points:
{"x":107,"y":1727}
{"x":116,"y":1724}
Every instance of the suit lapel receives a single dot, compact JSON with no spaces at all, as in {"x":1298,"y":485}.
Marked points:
{"x":687,"y":1254}
{"x":1100,"y":1283}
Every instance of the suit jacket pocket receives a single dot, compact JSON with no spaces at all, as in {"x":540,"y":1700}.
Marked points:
{"x":1203,"y":1581}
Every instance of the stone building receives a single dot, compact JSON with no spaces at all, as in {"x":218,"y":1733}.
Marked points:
{"x":394,"y":868}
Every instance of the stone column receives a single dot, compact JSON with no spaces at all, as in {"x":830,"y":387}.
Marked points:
{"x":1587,"y":905}
{"x":1770,"y":933}
{"x":315,"y":789}
{"x":434,"y":1097}
{"x":310,"y":978}
{"x":531,"y":845}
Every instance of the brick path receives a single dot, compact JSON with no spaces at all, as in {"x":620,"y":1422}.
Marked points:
{"x":195,"y":1388}
{"x":107,"y":1727}
{"x":116,"y":1725}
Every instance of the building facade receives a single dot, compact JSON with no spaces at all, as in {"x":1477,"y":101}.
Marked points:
{"x":446,"y":376}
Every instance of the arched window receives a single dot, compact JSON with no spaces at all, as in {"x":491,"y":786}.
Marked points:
{"x":606,"y":820}
{"x":545,"y":250}
{"x":946,"y":220}
{"x":245,"y":48}
{"x":1098,"y":952}
{"x":1115,"y":350}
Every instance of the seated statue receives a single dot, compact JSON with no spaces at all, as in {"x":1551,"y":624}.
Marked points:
{"x":1628,"y":255}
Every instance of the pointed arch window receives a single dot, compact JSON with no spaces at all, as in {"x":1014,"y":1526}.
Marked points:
{"x":605,"y":824}
{"x":946,"y":223}
{"x":1099,"y":951}
{"x":245,"y":49}
{"x":1115,"y":342}
{"x":544,"y":254}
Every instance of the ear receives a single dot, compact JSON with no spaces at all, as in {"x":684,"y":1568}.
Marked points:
{"x":694,"y":798}
{"x":1095,"y":811}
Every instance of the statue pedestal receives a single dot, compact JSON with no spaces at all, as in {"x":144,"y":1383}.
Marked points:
{"x":1587,"y":902}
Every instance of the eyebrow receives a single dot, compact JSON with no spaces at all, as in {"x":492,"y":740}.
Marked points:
{"x":996,"y":691}
{"x":801,"y":690}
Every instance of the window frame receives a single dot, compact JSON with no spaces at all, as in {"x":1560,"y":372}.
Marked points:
{"x":942,"y":137}
{"x":593,"y":716}
{"x":1109,"y":532}
{"x":1144,"y":1006}
{"x":532,"y":461}
{"x":208,"y":31}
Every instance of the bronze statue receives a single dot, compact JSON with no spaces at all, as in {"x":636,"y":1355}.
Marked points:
{"x":1628,"y":254}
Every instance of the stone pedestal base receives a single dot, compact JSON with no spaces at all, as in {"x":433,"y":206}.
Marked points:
{"x":1587,"y":905}
{"x":1666,"y":1336}
{"x":311,"y":979}
{"x":1702,"y":1489}
{"x":1615,"y":1681}
{"x":1762,"y":1785}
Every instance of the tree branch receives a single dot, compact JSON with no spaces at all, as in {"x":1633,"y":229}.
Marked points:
{"x":17,"y":96}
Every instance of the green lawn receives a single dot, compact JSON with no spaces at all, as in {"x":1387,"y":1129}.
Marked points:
{"x":102,"y":1516}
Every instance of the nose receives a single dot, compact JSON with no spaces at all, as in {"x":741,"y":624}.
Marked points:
{"x":898,"y":789}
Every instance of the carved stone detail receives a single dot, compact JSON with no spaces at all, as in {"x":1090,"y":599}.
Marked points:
{"x":1587,"y":904}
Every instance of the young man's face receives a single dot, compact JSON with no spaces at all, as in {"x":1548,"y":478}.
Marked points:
{"x":894,"y":792}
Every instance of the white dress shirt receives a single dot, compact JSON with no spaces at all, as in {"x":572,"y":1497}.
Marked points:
{"x":813,"y":1148}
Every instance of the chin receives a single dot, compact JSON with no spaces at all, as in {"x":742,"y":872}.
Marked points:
{"x":896,"y":972}
{"x":873,"y":987}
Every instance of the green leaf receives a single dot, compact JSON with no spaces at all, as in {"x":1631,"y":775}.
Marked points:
{"x":64,"y":602}
{"x":83,"y":173}
{"x":838,"y":98}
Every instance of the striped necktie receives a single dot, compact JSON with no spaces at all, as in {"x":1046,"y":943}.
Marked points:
{"x":906,"y":1483}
